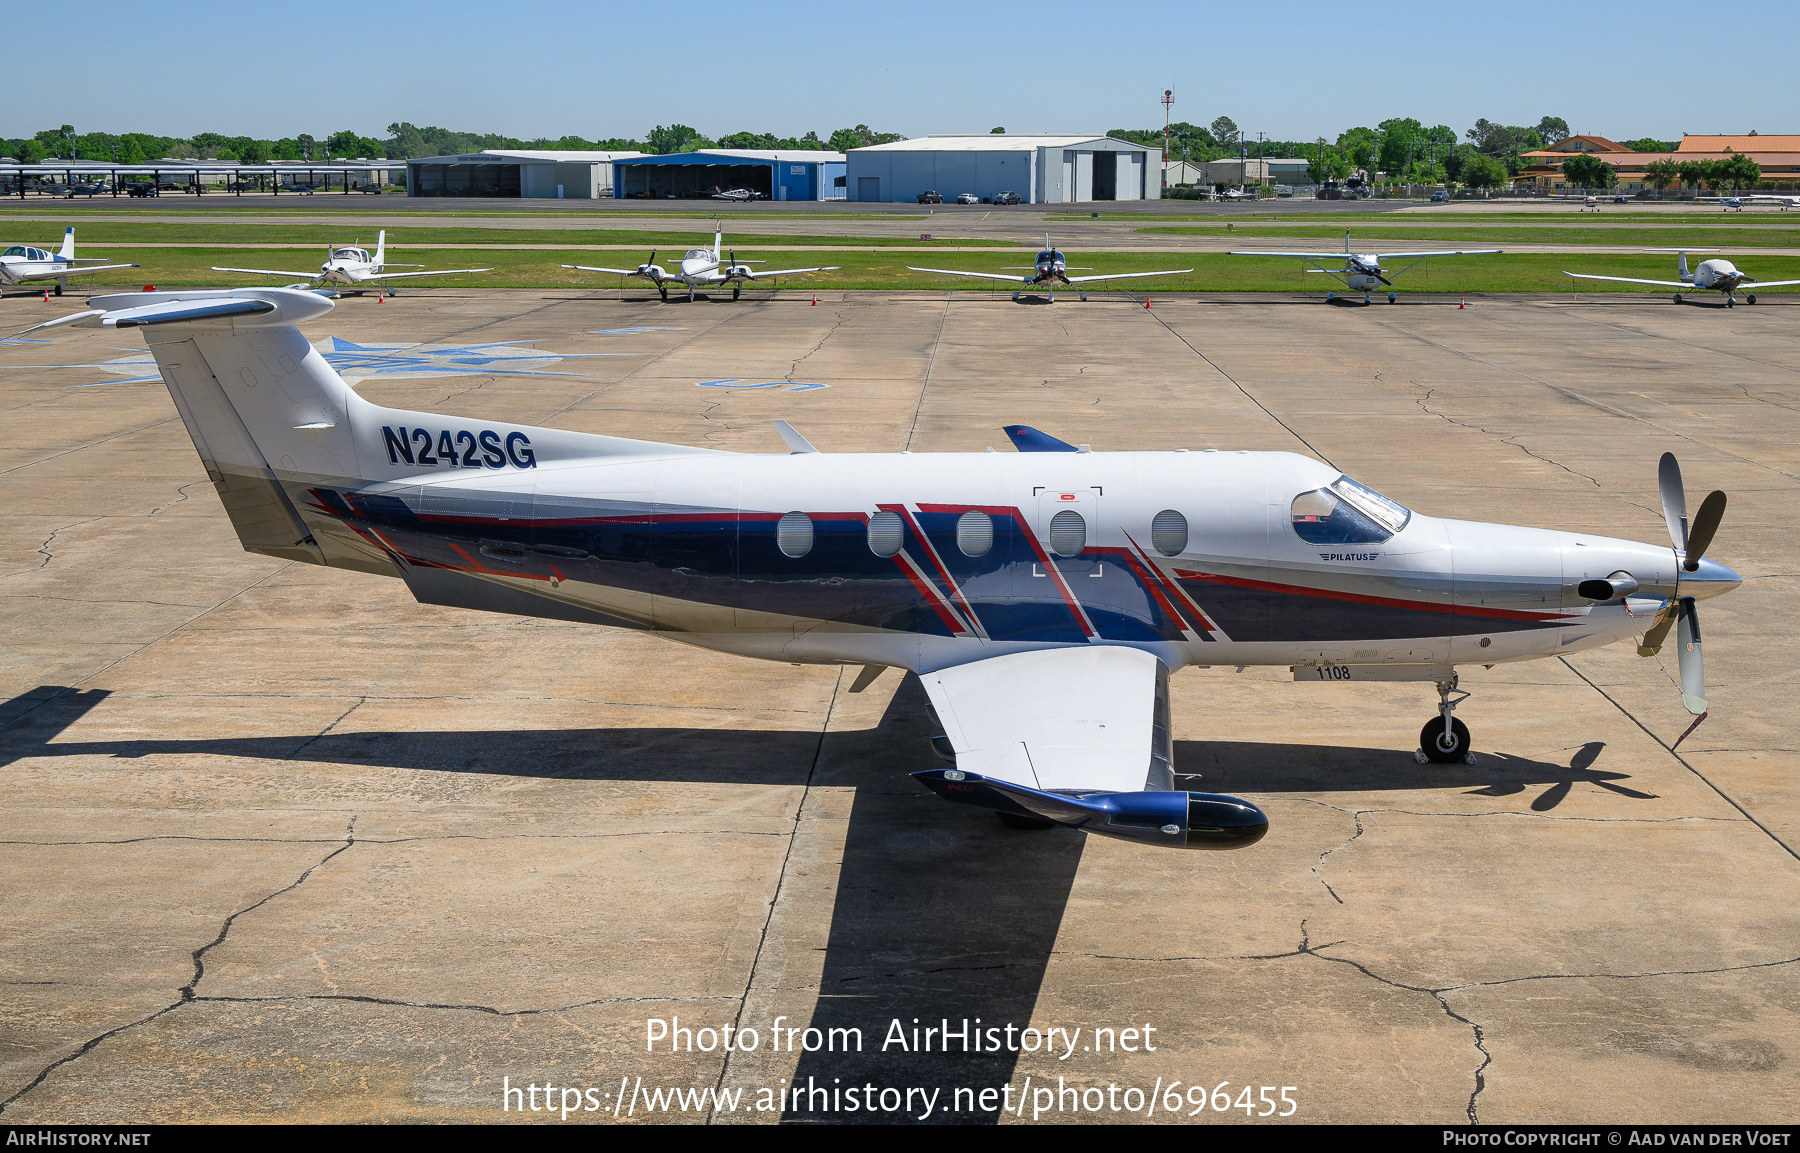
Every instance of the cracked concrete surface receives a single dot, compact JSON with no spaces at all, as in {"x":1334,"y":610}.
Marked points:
{"x":281,"y":844}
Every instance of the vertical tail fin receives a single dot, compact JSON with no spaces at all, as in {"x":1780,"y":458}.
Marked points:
{"x":1346,"y":242}
{"x":67,"y":251}
{"x":1681,"y":260}
{"x":718,"y":242}
{"x":381,"y":248}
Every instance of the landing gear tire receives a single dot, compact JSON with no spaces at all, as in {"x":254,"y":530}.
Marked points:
{"x":1019,"y":821}
{"x":1435,"y":747}
{"x":1678,"y":298}
{"x":1015,"y":298}
{"x":1750,"y":298}
{"x":1084,"y":298}
{"x":663,"y":292}
{"x":735,"y":289}
{"x":1331,"y":296}
{"x":1392,"y":297}
{"x":59,"y":290}
{"x":1367,"y":299}
{"x":690,"y":294}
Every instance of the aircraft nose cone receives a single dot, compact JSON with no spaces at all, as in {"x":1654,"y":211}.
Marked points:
{"x":1712,"y":579}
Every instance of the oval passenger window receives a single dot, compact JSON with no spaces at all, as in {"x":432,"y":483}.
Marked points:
{"x":1168,"y":532}
{"x":794,"y":534}
{"x":887,"y":532}
{"x":1068,"y":533}
{"x":974,"y":533}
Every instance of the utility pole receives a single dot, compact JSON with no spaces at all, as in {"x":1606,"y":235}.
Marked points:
{"x":1168,"y":99}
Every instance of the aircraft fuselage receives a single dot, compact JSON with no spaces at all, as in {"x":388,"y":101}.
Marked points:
{"x":918,"y":561}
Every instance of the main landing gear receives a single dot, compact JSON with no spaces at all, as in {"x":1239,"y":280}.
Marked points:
{"x":690,"y":294}
{"x":1084,"y":298}
{"x":1678,"y":298}
{"x":735,"y":289}
{"x":1445,"y":740}
{"x":663,"y":292}
{"x":1750,"y":298}
{"x":1393,"y":297}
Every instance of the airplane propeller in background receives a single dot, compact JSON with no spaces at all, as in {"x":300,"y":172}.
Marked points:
{"x":645,"y":267}
{"x":1690,"y":543}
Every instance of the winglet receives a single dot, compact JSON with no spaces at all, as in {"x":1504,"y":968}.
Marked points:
{"x":1028,"y":439}
{"x":795,"y":442}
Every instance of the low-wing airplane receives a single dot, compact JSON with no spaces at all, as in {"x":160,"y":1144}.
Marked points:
{"x":348,"y":266}
{"x":20,"y":263}
{"x":1043,"y":598}
{"x":1361,"y":270}
{"x":702,"y":268}
{"x":1716,"y":274}
{"x":743,"y":194}
{"x":1050,"y":270}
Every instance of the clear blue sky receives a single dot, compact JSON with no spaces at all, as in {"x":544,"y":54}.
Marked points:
{"x":1294,"y":70}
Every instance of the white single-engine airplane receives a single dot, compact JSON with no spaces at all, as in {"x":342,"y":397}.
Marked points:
{"x":1715,"y":274}
{"x":1051,"y":271}
{"x":347,"y":266}
{"x":702,"y":268}
{"x":1361,"y":270}
{"x":20,"y":263}
{"x":1043,"y":598}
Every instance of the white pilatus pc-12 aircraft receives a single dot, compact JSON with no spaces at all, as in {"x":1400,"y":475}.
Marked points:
{"x":21,"y":264}
{"x":702,"y":268}
{"x":1043,"y":598}
{"x":1361,"y":271}
{"x":348,"y":266}
{"x":1051,"y":271}
{"x":1715,"y":274}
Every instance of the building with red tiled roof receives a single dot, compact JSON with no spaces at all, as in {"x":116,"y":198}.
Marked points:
{"x":1778,"y":157}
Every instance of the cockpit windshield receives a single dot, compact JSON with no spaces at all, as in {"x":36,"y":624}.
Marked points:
{"x":15,"y":250}
{"x":1048,"y":255}
{"x":698,"y":254}
{"x":356,"y":254}
{"x":1345,"y":512}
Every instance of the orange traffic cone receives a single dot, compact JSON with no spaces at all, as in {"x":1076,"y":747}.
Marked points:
{"x":1146,"y":302}
{"x":1464,"y":304}
{"x":815,"y":300}
{"x":46,"y":296}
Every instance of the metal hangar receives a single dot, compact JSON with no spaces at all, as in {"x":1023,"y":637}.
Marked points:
{"x":774,"y":175}
{"x":1041,"y":168}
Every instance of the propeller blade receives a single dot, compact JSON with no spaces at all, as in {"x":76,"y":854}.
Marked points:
{"x":1658,"y":631}
{"x":1706,"y":523}
{"x":1674,"y":500}
{"x":1384,"y":280}
{"x":1693,"y":666}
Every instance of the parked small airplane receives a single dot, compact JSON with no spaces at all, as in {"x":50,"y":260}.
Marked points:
{"x":1744,"y":201}
{"x":21,"y":262}
{"x":1051,"y":270}
{"x":1043,"y":598}
{"x":1361,"y":270}
{"x":735,"y":194}
{"x":347,"y":266}
{"x":1716,"y":274}
{"x":702,"y":268}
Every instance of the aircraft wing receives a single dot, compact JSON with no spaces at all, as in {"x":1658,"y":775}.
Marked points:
{"x":788,"y":272}
{"x":1126,"y":275}
{"x":1635,"y":280}
{"x":1301,"y":255}
{"x":437,"y":272}
{"x":981,"y":275}
{"x":82,"y":270}
{"x":269,"y":272}
{"x":1452,"y":252}
{"x":614,"y":271}
{"x":1077,"y":718}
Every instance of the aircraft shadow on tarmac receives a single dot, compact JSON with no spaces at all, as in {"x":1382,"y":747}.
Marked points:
{"x":940,"y":912}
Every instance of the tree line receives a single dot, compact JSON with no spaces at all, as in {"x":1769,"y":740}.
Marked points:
{"x":402,"y":142}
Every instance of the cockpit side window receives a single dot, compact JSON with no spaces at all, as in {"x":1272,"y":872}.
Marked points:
{"x":15,"y":250}
{"x":1346,"y":512}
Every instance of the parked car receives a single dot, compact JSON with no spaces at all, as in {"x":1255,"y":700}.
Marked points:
{"x":1620,"y":200}
{"x":141,"y":188}
{"x":930,"y":198}
{"x":1439,"y":197}
{"x":967,"y":198}
{"x":1006,"y":198}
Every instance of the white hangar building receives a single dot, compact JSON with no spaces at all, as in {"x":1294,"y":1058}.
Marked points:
{"x":1042,"y":169}
{"x":511,"y":172}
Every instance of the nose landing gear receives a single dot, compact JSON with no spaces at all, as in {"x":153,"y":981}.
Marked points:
{"x":1445,"y":740}
{"x":1393,"y":296}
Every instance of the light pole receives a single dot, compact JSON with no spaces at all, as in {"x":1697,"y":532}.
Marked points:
{"x":1168,"y":100}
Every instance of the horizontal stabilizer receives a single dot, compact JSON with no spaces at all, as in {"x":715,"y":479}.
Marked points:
{"x":1028,"y":439}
